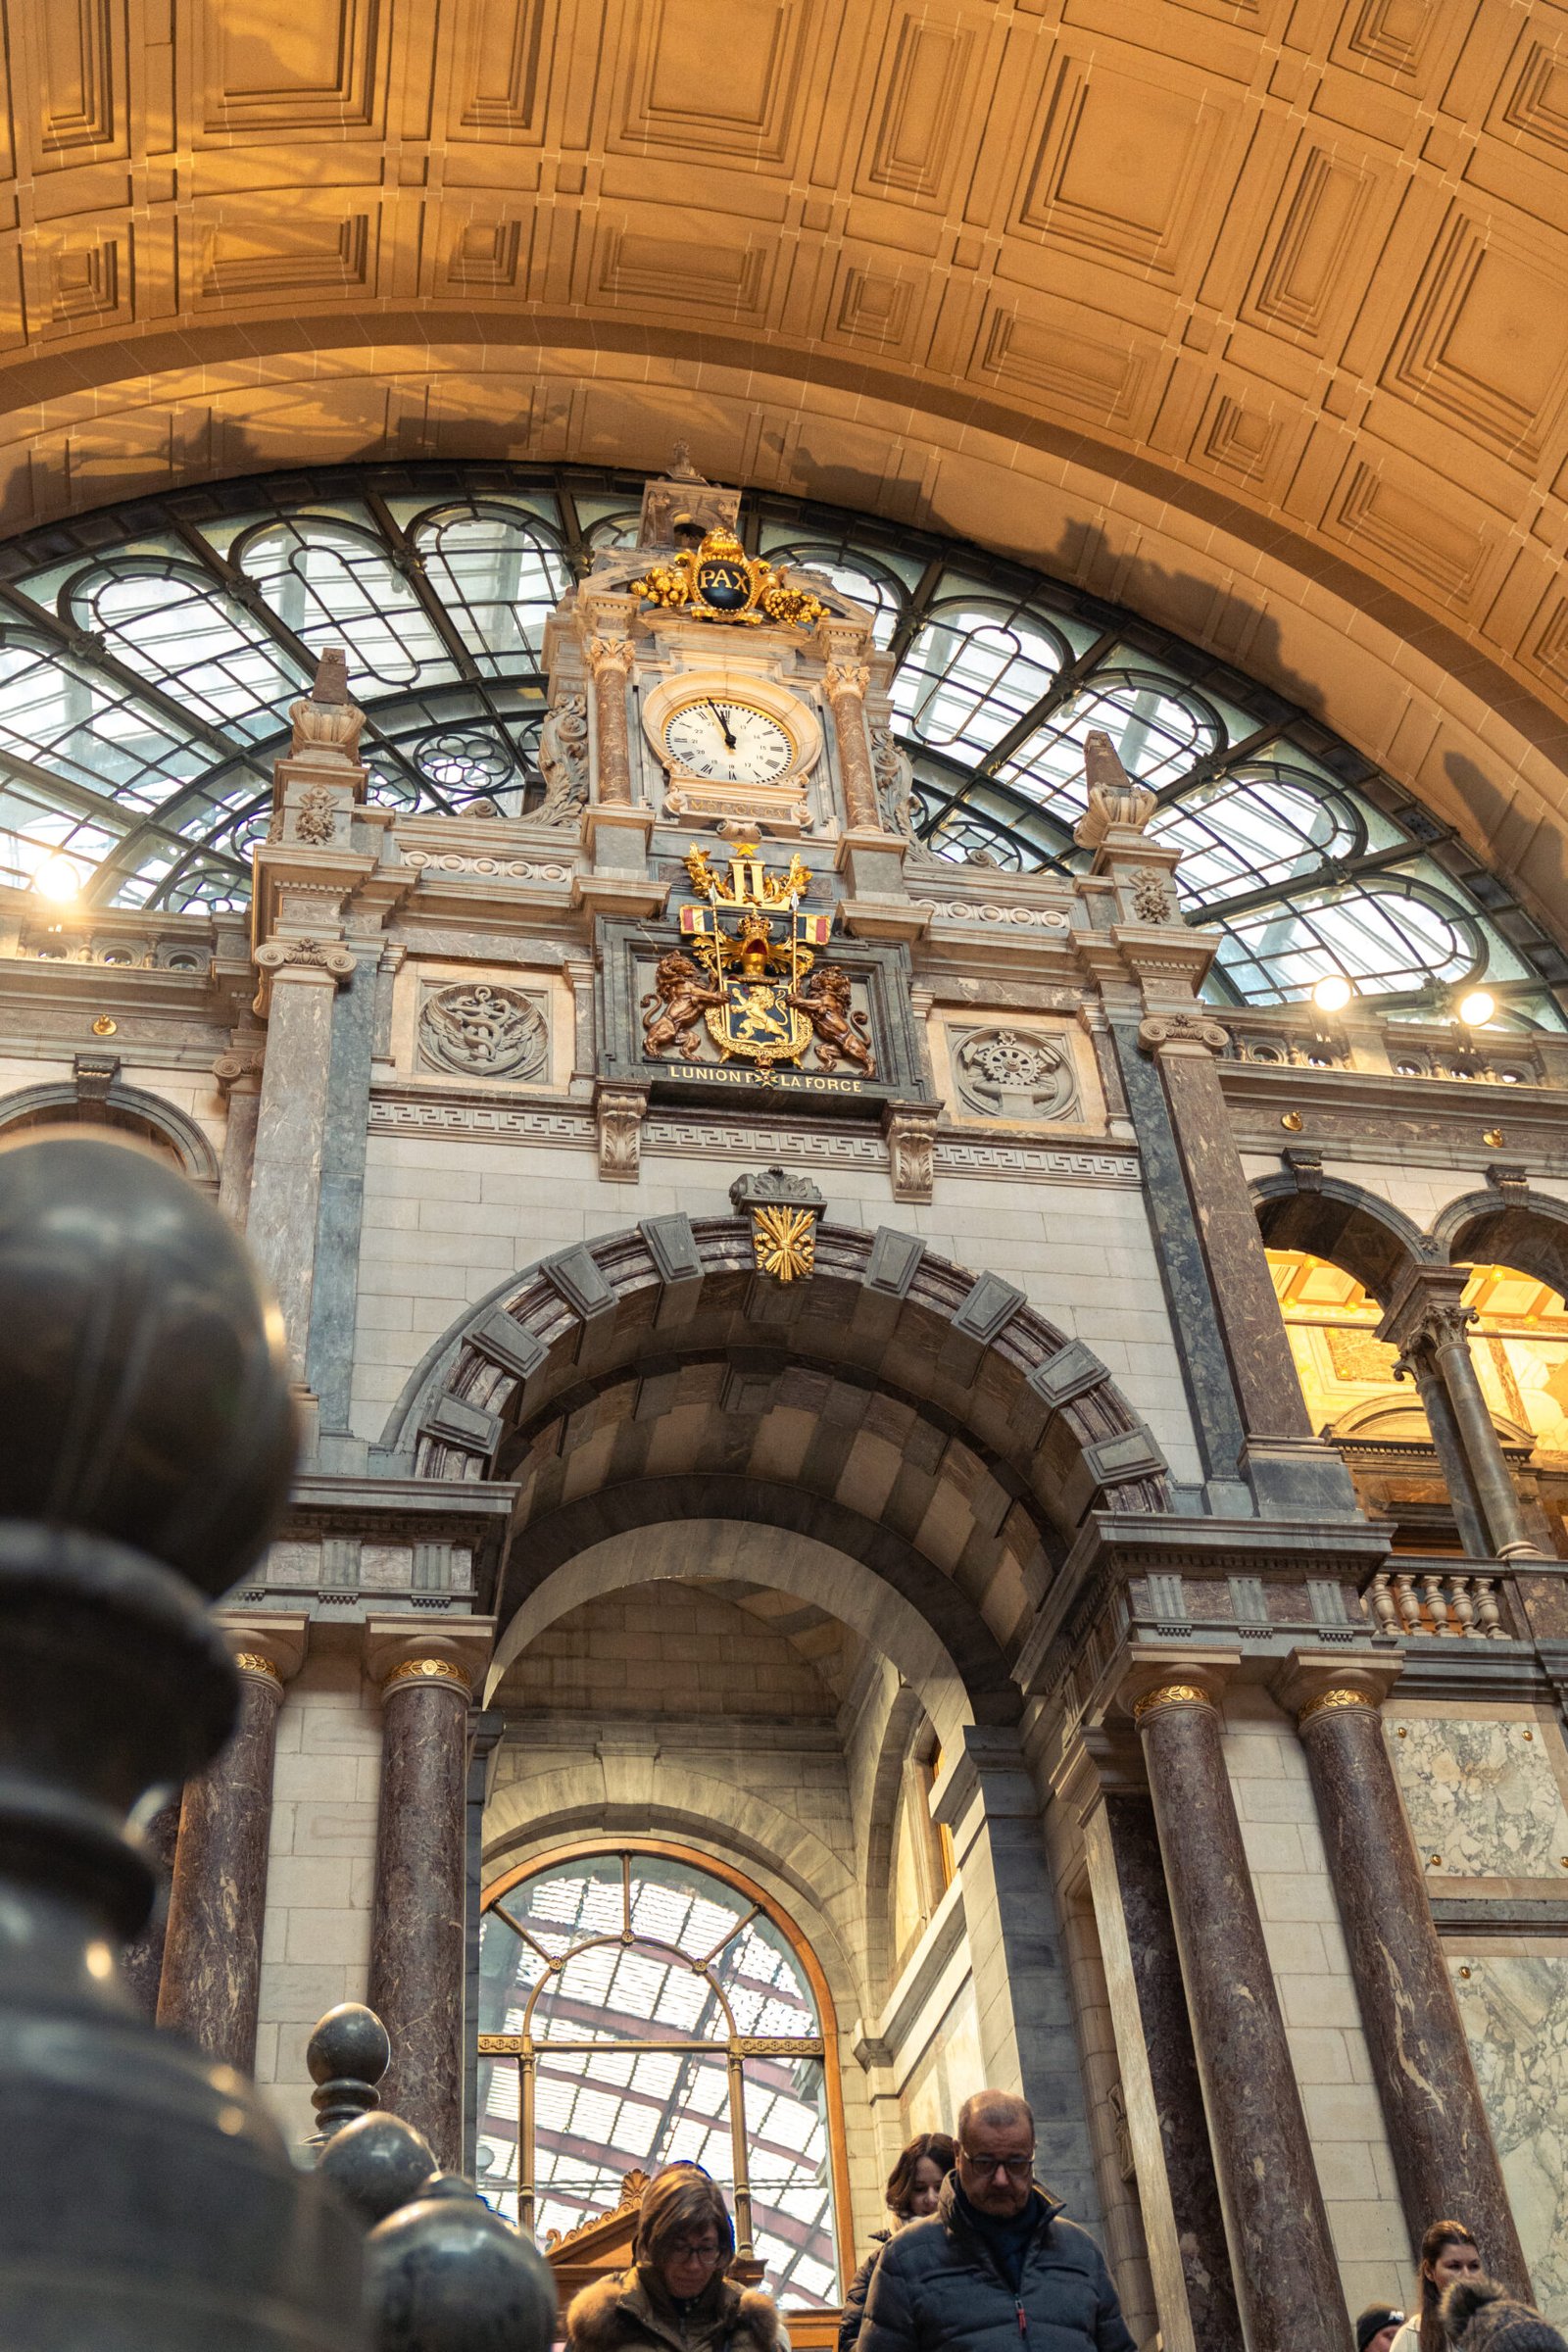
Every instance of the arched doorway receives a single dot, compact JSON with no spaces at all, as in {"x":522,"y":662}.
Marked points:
{"x":642,"y":2005}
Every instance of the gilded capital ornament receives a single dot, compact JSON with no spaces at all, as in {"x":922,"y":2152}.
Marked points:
{"x":846,"y":677}
{"x":1172,"y":1694}
{"x":254,"y":1662}
{"x":1326,"y":1701}
{"x":427,"y":1671}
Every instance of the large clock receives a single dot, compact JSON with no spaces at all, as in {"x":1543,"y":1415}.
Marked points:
{"x":734,"y":744}
{"x":721,"y":738}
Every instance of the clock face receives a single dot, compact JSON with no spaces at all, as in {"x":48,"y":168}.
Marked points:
{"x":732,"y":742}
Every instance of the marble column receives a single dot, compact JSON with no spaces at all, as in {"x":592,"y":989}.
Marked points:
{"x":1281,"y":2257}
{"x":141,"y":1963}
{"x":1420,"y":1366}
{"x":1427,"y":1322}
{"x":845,"y":681}
{"x":239,"y":1073}
{"x":417,"y":1954}
{"x":610,"y":660}
{"x":217,"y":1897}
{"x":290,"y":1128}
{"x":1442,"y":2148}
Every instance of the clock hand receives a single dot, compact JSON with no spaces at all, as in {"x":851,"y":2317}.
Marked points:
{"x":730,"y":740}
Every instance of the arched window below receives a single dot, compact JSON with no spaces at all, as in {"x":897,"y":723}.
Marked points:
{"x":639,"y":2007}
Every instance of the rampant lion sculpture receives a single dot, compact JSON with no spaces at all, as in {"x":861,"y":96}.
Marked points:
{"x":840,"y":1031}
{"x":680,"y":997}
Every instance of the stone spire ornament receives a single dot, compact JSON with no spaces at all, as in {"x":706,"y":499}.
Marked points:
{"x":150,"y":1442}
{"x":1114,"y":799}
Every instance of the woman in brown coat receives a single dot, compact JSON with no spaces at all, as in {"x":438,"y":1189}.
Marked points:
{"x":677,"y":2297}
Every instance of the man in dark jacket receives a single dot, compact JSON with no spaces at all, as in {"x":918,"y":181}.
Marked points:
{"x":997,"y":2268}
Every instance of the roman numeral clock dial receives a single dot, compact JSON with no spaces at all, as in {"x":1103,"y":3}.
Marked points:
{"x":725,"y":740}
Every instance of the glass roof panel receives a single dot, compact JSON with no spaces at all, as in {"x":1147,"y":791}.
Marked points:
{"x":144,"y":688}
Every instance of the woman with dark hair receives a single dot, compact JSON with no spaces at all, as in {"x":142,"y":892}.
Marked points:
{"x":913,"y":2186}
{"x":1448,"y":2253}
{"x":676,"y":2297}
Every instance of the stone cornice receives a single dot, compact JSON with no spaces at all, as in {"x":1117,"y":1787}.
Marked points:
{"x":1422,"y":1122}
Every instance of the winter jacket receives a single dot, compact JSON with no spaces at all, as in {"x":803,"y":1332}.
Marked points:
{"x":635,"y":2311}
{"x":936,"y":2289}
{"x":860,"y":2287}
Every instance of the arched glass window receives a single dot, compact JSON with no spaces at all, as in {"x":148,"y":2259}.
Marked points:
{"x":639,"y":2009}
{"x":148,"y":657}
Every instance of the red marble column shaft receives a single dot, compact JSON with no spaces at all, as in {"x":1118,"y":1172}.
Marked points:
{"x":212,"y":1970}
{"x":1442,"y":2148}
{"x":416,"y":1937}
{"x":1282,"y":2256}
{"x":141,"y":1963}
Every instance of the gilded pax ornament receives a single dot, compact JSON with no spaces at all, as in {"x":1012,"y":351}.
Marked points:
{"x":720,"y":582}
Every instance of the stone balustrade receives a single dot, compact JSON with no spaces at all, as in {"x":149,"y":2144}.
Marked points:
{"x":1433,"y":1603}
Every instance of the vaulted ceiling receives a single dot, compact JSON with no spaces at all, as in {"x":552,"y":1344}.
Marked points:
{"x":1248,"y":313}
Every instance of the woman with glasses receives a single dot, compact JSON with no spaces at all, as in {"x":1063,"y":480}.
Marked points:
{"x":915,"y":2185}
{"x":677,"y":2297}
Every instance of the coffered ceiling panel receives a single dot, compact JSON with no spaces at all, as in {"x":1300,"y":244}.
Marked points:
{"x":1249,"y":311}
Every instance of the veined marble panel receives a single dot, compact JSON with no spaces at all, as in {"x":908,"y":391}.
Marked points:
{"x":1482,"y":1794}
{"x":1515,"y":2012}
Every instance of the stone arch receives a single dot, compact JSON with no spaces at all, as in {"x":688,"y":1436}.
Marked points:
{"x":1029,"y":1415}
{"x":1371,"y":1239}
{"x":890,"y":1621}
{"x":1519,"y":1227}
{"x":903,"y":1720}
{"x":99,"y":1098}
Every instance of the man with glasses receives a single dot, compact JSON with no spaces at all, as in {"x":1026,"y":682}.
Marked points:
{"x":998,"y":2267}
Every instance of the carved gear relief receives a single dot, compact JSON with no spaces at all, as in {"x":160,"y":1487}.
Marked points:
{"x":1012,"y":1073}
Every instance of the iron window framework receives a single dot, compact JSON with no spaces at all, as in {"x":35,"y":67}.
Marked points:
{"x":640,"y":2006}
{"x":149,"y":654}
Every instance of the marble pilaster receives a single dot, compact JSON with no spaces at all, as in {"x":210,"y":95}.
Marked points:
{"x":419,"y":1958}
{"x":239,"y":1073}
{"x":212,"y":1967}
{"x":986,"y":1798}
{"x":291,"y":1129}
{"x":1427,"y":1322}
{"x":1449,"y":1448}
{"x":1266,"y":1381}
{"x":1438,"y":2130}
{"x":1281,"y":2257}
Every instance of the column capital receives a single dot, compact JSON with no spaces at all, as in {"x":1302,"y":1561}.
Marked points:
{"x":1157,"y":1677}
{"x":406,"y":1652}
{"x":1188,"y":1034}
{"x":1425,"y":1310}
{"x":267,"y":1643}
{"x":1313,"y":1683}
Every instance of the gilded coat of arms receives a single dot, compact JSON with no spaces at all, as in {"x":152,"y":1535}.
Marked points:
{"x":754,"y":981}
{"x":719,"y":581}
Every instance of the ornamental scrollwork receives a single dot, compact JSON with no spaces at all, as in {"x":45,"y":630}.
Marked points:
{"x":480,"y":1030}
{"x":1182,"y":1029}
{"x":326,"y":955}
{"x":563,"y":761}
{"x":313,"y":819}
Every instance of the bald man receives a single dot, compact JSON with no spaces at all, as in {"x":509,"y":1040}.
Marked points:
{"x":998,"y":2267}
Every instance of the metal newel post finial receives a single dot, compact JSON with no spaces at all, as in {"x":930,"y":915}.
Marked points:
{"x":149,"y":1448}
